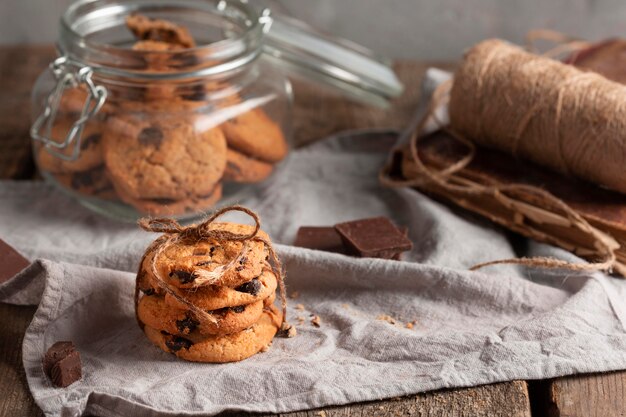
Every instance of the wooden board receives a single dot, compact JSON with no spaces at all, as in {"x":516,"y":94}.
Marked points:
{"x":19,"y":68}
{"x":596,"y":395}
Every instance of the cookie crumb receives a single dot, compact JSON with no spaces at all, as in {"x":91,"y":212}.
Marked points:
{"x":300,"y":307}
{"x":301,"y":320}
{"x":346,"y":306}
{"x":321,"y":413}
{"x":411,"y":324}
{"x":266,"y":347}
{"x":288,"y":331}
{"x":387,"y":318}
{"x":316,"y":321}
{"x":294,"y":295}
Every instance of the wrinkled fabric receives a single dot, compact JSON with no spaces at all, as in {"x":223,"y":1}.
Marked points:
{"x":471,"y":328}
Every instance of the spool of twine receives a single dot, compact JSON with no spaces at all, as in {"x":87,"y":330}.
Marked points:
{"x":488,"y":107}
{"x":539,"y":109}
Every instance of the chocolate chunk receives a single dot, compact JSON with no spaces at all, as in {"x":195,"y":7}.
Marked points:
{"x":238,"y":309}
{"x":55,"y":353}
{"x":66,"y":371}
{"x":90,"y":141}
{"x":375,"y":237}
{"x":62,"y":364}
{"x":11,"y":262}
{"x":195,"y":93}
{"x":251,"y":287}
{"x":151,"y":136}
{"x":405,"y":232}
{"x":186,"y":325}
{"x":176,"y":343}
{"x":82,"y":179}
{"x":184,"y":277}
{"x":320,"y":238}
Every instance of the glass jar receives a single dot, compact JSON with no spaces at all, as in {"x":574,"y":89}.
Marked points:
{"x":134,"y":119}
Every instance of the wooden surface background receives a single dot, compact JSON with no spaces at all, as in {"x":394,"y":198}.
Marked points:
{"x":317,"y":113}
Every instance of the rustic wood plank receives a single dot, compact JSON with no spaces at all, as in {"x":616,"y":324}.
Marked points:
{"x":595,"y":395}
{"x":318,"y":112}
{"x":508,"y":399}
{"x":16,"y":400}
{"x":19,"y":68}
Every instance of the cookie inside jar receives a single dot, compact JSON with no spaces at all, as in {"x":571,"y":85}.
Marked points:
{"x":191,"y":119}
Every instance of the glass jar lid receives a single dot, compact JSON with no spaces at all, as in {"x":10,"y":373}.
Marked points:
{"x":232,"y":33}
{"x":353,"y":69}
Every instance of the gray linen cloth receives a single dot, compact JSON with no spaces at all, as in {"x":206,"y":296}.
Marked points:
{"x":471,"y":328}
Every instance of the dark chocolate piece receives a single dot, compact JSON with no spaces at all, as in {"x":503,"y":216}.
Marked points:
{"x":320,"y":238}
{"x":186,"y":325}
{"x":238,"y":309}
{"x":11,"y":262}
{"x":151,"y":136}
{"x":251,"y":287}
{"x":176,"y":343}
{"x":66,"y":371}
{"x":405,"y":232}
{"x":184,"y":277}
{"x":61,"y":364}
{"x":375,"y":237}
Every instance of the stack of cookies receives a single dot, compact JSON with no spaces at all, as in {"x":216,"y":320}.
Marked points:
{"x":209,"y":299}
{"x":165,"y":148}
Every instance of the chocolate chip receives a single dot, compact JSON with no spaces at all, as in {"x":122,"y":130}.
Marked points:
{"x":196,"y":93}
{"x":204,"y":263}
{"x":202,"y":252}
{"x":176,"y":343}
{"x":238,"y":309}
{"x":252,"y":287}
{"x":151,"y":136}
{"x":184,"y":277}
{"x":82,"y":179}
{"x":243,"y":260}
{"x":186,"y":325}
{"x":90,"y":141}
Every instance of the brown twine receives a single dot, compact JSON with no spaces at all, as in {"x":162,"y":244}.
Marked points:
{"x":505,"y":194}
{"x":174,"y":232}
{"x":564,"y":43}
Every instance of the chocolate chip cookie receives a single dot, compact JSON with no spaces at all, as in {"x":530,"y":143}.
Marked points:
{"x":168,"y":207}
{"x":90,"y":148}
{"x":213,"y":297}
{"x":93,"y":182}
{"x":163,"y":31}
{"x":153,"y":311}
{"x":186,"y":262}
{"x":220,"y":349}
{"x":150,"y":157}
{"x":241,"y":168}
{"x":254,"y":134}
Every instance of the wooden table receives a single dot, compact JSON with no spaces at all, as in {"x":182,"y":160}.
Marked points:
{"x":317,"y":114}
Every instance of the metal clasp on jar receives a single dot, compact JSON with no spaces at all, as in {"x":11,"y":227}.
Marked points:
{"x":68,"y":74}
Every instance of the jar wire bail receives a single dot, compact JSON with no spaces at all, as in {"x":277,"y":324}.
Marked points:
{"x":68,"y":74}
